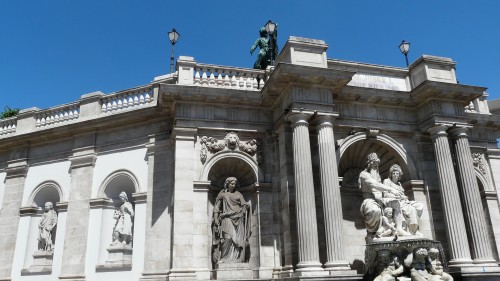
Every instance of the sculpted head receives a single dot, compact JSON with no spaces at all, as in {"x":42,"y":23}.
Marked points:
{"x":421,"y":254}
{"x":49,"y":206}
{"x":123,"y":196}
{"x":433,"y":253}
{"x":263,"y":32}
{"x":388,"y":212}
{"x":232,"y":140}
{"x":372,"y":161}
{"x":395,"y":173}
{"x":231,"y":184}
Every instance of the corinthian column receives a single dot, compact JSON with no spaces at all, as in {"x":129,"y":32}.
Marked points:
{"x":307,"y":232}
{"x":332,"y":205}
{"x":450,"y":198}
{"x":473,"y":208}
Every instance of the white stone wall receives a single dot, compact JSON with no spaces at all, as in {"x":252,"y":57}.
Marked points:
{"x":2,"y":188}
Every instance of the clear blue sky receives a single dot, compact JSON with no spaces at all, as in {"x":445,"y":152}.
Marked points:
{"x":52,"y":52}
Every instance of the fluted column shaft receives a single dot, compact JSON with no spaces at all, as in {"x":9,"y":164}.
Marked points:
{"x":453,"y":215}
{"x":307,"y":232}
{"x":332,"y":205}
{"x":473,"y":208}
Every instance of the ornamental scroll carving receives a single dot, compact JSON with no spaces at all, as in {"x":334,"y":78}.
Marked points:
{"x":232,"y":142}
{"x":477,"y":159}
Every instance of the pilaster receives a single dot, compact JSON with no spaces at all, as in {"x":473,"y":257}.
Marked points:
{"x":450,"y":198}
{"x":307,"y":233}
{"x":77,"y":220}
{"x":9,"y":217}
{"x":471,"y":200}
{"x":157,"y":254}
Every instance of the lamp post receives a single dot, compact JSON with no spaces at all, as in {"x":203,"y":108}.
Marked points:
{"x":173,"y":36}
{"x":404,"y":47}
{"x":270,"y":29}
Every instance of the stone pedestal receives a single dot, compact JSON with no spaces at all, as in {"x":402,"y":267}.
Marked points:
{"x":119,"y":258}
{"x":42,"y":263}
{"x":233,"y":271}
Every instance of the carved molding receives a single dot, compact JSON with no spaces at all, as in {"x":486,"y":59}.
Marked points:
{"x":477,"y":159}
{"x":231,"y":141}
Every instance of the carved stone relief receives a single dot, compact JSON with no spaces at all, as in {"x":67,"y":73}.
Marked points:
{"x":477,"y":159}
{"x":232,"y":142}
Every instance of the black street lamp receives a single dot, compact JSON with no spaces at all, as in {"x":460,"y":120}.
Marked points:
{"x":404,"y":47}
{"x":271,"y":29}
{"x":173,"y":36}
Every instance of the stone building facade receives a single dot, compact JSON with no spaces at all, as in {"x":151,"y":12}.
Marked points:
{"x":295,"y":136}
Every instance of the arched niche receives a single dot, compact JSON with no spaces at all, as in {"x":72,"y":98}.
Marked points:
{"x":117,"y":182}
{"x":353,"y":156}
{"x":231,"y":164}
{"x":48,"y":191}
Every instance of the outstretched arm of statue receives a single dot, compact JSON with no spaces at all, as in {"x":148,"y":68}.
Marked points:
{"x":254,"y":46}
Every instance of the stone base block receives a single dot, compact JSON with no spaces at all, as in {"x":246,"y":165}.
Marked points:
{"x":71,"y":278}
{"x":119,"y":258}
{"x":234,"y":271}
{"x":42,"y":263}
{"x":475,"y":273}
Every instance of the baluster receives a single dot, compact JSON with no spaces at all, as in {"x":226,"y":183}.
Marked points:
{"x":114,"y":105}
{"x":66,"y":113}
{"x":227,"y":82}
{"x":197,"y":79}
{"x":70,"y":113}
{"x":108,"y":105}
{"x":220,"y":82}
{"x":141,"y":98}
{"x":211,"y":80}
{"x":255,"y":84}
{"x":38,"y":121}
{"x":51,"y":118}
{"x":103,"y":105}
{"x":147,"y":96}
{"x":120,"y":103}
{"x":234,"y":83}
{"x":76,"y":112}
{"x":204,"y":79}
{"x":136,"y":99}
{"x":130,"y":100}
{"x":242,"y":82}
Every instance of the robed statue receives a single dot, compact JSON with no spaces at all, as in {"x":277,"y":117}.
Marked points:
{"x":124,"y":219}
{"x":231,"y":224}
{"x":47,"y":228}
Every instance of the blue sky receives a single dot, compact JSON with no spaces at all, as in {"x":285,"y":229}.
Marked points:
{"x":52,"y":52}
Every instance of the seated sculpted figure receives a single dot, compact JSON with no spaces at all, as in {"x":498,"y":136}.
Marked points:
{"x":411,"y":210}
{"x":389,"y":266}
{"x":231,"y":224}
{"x":47,"y":227}
{"x":373,"y":203}
{"x":122,"y":232}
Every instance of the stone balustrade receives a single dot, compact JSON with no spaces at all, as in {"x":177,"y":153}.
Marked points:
{"x":8,"y":126}
{"x":127,"y":99}
{"x":57,"y":115}
{"x":215,"y":76}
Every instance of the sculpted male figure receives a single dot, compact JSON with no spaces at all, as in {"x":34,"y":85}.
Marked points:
{"x":122,"y":232}
{"x":372,"y":188}
{"x":46,"y":228}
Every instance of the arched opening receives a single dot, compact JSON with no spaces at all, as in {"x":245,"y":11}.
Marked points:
{"x":46,"y":192}
{"x":354,"y":158}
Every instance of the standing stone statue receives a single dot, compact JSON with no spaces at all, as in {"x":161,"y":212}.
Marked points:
{"x":122,"y":232}
{"x":47,"y":228}
{"x":231,"y":224}
{"x":373,"y":203}
{"x":411,"y":210}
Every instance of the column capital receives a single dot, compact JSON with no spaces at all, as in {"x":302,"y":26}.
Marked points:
{"x":322,"y":120}
{"x":459,"y":132}
{"x":297,"y":117}
{"x":78,"y":161}
{"x":438,"y":130}
{"x":17,"y":169}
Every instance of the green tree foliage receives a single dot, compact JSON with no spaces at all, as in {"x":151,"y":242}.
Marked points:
{"x":8,"y":112}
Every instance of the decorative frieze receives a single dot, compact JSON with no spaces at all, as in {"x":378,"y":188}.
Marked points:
{"x":477,"y":160}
